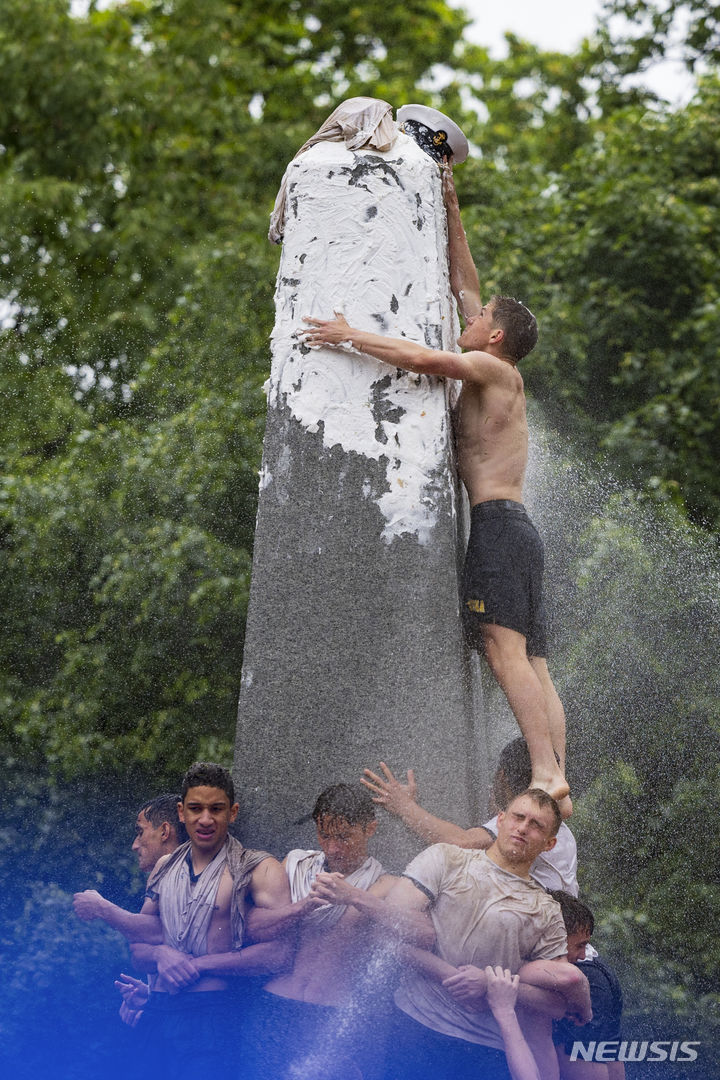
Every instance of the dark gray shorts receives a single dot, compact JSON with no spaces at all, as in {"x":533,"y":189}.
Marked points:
{"x":420,"y":1053}
{"x":288,"y":1039}
{"x":503,"y":575}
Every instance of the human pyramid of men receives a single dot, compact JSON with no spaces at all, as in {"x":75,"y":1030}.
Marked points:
{"x":475,"y":961}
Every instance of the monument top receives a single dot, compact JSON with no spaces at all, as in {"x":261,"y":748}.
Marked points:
{"x":361,"y":123}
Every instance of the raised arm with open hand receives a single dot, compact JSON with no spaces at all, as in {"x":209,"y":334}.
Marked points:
{"x":401,"y":800}
{"x":463,"y":273}
{"x":397,"y":798}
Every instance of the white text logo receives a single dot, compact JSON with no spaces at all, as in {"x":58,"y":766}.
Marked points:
{"x":634,"y":1051}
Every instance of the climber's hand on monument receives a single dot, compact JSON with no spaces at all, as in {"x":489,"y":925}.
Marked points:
{"x":469,"y":986}
{"x":389,"y":791}
{"x":335,"y":331}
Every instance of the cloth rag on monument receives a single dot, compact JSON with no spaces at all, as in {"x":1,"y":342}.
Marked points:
{"x":362,"y":123}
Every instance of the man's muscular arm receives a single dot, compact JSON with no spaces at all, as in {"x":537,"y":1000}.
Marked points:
{"x":399,"y":352}
{"x":265,"y":958}
{"x":468,"y":984}
{"x":273,"y":912}
{"x":463,"y":273}
{"x":143,"y":926}
{"x":264,"y":924}
{"x":401,"y":800}
{"x":175,"y":969}
{"x":427,"y":963}
{"x":562,"y":978}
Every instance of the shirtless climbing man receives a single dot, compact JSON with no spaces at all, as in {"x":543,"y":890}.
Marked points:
{"x":502,"y":602}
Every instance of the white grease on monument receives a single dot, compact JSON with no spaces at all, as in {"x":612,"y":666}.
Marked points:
{"x":379,"y":257}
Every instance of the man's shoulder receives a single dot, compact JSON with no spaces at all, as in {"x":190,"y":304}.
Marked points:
{"x":598,"y":972}
{"x":163,"y":861}
{"x":450,"y":853}
{"x":566,"y":835}
{"x":447,"y":859}
{"x":263,"y":863}
{"x":482,"y":368}
{"x":298,"y":854}
{"x":382,"y":885}
{"x":243,"y":862}
{"x":547,"y":903}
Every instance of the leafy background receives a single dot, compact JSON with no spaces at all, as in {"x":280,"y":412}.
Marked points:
{"x":140,"y":149}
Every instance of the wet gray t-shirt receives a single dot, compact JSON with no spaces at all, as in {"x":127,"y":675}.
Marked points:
{"x":482,"y":915}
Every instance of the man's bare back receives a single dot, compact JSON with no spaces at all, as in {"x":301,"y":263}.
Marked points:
{"x":491,"y":436}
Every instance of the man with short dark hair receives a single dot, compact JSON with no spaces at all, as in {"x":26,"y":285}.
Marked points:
{"x":158,"y":830}
{"x":309,"y":1018}
{"x":502,"y":602}
{"x":155,"y":836}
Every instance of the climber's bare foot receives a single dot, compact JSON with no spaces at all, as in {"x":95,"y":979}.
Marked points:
{"x":556,"y":786}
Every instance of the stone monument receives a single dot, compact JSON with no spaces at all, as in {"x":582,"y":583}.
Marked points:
{"x":354,"y":650}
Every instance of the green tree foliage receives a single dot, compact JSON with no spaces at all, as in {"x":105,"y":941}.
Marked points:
{"x":634,"y":658}
{"x":688,"y":28}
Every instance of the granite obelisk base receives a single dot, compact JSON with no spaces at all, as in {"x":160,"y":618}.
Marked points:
{"x":354,"y":650}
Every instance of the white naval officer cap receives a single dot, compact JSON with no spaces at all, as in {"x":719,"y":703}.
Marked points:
{"x":436,"y":133}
